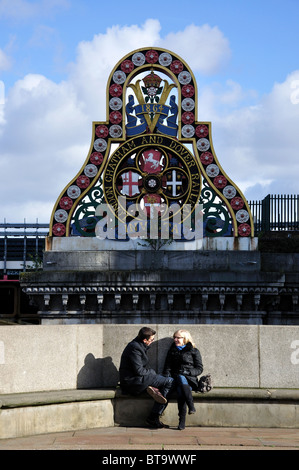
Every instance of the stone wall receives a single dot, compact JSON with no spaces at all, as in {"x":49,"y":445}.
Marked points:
{"x":56,"y":357}
{"x":194,"y":287}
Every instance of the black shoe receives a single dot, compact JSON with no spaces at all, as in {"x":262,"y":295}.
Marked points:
{"x":182,"y":415}
{"x":189,"y":399}
{"x":181,"y":425}
{"x":156,"y":423}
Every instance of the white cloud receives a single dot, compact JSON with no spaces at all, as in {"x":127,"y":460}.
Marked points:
{"x":96,"y":59}
{"x":46,"y":130}
{"x":44,"y":143}
{"x":16,"y":9}
{"x":24,"y":10}
{"x":48,"y":114}
{"x":4,"y":61}
{"x":204,"y":48}
{"x":257,"y":146}
{"x":42,"y":36}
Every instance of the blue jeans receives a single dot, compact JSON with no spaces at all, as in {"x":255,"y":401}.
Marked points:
{"x":165,"y":385}
{"x":179,"y":381}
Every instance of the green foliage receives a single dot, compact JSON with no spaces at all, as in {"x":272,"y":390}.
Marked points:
{"x":156,"y":244}
{"x":37,"y":262}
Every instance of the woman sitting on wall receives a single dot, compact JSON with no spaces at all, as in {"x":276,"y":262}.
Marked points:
{"x":183,"y":363}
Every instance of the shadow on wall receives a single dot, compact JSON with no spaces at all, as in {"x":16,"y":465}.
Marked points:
{"x":97,"y":373}
{"x":102,"y":372}
{"x":157,"y":353}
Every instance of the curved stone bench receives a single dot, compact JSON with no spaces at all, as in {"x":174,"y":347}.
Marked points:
{"x":24,"y":414}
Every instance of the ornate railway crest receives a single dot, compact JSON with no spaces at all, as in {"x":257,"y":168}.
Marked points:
{"x":155,"y":171}
{"x":151,"y":109}
{"x":164,"y":156}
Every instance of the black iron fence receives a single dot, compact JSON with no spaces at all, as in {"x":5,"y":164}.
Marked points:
{"x":22,"y":242}
{"x":275,"y":213}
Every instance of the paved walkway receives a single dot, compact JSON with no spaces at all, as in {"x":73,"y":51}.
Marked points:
{"x":131,"y":439}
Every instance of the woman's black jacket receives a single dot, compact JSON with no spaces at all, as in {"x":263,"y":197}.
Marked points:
{"x":186,"y":361}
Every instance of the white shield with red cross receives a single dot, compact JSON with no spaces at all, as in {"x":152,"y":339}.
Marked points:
{"x":130,"y":181}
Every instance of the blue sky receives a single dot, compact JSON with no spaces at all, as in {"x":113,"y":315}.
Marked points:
{"x":262,"y":33}
{"x":42,"y":37}
{"x":56,"y":56}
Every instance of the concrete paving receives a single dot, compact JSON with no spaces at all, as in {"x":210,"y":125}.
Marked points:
{"x":145,"y":439}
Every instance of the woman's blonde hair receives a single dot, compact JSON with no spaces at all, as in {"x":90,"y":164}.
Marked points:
{"x":186,"y":335}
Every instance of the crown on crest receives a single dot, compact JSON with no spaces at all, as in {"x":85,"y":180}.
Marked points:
{"x":152,"y":80}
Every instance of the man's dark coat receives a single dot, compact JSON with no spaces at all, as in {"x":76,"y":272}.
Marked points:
{"x":135,"y":375}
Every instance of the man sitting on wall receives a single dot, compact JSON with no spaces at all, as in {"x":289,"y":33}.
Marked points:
{"x":136,"y":376}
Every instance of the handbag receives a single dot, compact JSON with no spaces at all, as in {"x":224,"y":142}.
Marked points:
{"x":205,"y":383}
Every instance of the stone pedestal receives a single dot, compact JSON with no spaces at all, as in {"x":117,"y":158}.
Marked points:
{"x":83,"y":282}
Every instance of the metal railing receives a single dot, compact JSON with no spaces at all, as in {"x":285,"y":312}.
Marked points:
{"x":19,"y":241}
{"x":276,"y":213}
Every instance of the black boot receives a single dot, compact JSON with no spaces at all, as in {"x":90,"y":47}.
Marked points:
{"x":182,"y":415}
{"x":189,"y":399}
{"x":153,"y":421}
